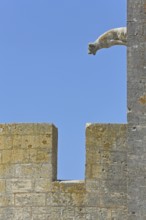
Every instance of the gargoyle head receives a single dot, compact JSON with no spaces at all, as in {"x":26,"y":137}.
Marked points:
{"x":92,"y":48}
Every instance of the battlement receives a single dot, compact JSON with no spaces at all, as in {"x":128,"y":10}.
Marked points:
{"x":28,"y":145}
{"x":28,"y":170}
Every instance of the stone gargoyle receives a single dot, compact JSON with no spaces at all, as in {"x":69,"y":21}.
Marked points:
{"x":116,"y":36}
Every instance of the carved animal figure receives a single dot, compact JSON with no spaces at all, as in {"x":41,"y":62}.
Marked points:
{"x":116,"y":36}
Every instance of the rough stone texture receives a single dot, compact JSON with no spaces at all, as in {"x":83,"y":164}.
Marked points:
{"x":136,"y":135}
{"x":115,"y":181}
{"x":29,"y":189}
{"x":28,"y":165}
{"x":106,"y":171}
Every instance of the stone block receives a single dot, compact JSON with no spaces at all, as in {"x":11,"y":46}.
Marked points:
{"x":40,"y":216}
{"x":2,"y":185}
{"x":6,"y":199}
{"x":7,"y":171}
{"x":17,"y":185}
{"x":12,"y":213}
{"x":98,"y":213}
{"x":59,"y":199}
{"x":113,"y":199}
{"x":39,"y":156}
{"x":119,"y":214}
{"x":26,"y":171}
{"x":30,"y":199}
{"x":92,"y":199}
{"x":6,"y":142}
{"x":42,"y":185}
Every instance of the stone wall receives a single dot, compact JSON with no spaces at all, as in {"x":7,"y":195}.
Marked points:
{"x":106,"y":172}
{"x":28,"y":167}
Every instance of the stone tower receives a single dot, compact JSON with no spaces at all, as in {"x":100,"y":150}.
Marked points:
{"x":136,"y":133}
{"x":115,"y":181}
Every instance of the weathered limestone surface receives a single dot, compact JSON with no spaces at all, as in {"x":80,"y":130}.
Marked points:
{"x":106,"y":171}
{"x":29,"y":189}
{"x":136,"y":135}
{"x":28,"y":165}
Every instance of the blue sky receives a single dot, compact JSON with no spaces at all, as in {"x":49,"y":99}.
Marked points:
{"x":48,"y":76}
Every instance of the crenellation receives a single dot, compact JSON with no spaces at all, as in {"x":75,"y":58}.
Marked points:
{"x":29,"y":167}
